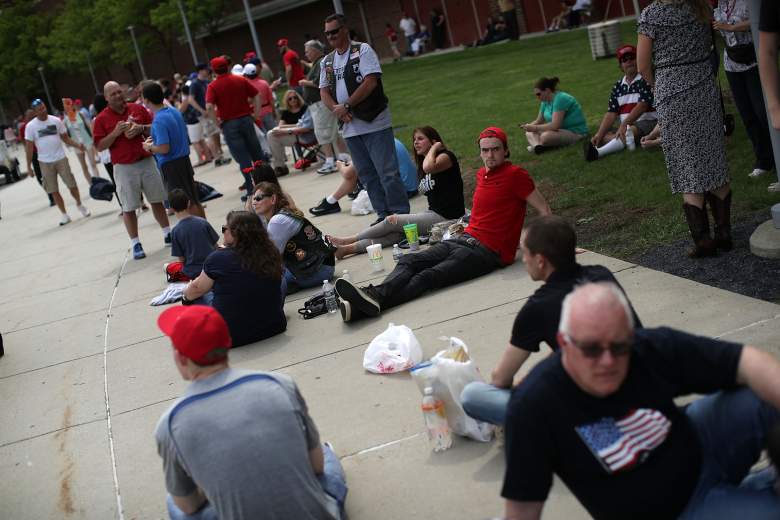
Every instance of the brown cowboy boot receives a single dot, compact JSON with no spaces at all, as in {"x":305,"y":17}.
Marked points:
{"x":700,"y":231}
{"x":721,"y":216}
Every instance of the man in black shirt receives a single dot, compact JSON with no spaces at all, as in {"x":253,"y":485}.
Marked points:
{"x":600,"y":414}
{"x":548,"y":254}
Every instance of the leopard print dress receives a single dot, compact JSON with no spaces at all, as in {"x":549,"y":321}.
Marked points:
{"x":686,"y":97}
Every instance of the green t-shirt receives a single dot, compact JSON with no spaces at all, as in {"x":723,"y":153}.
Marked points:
{"x":573,"y":120}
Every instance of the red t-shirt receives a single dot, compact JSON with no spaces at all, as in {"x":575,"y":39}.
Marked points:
{"x":498,"y":209}
{"x":124,"y":150}
{"x":230,"y":94}
{"x":266,"y":96}
{"x":291,"y":58}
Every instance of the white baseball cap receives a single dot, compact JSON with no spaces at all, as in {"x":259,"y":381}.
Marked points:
{"x":250,"y":69}
{"x":237,"y":69}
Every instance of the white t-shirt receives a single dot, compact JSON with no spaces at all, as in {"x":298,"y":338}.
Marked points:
{"x":580,"y":5}
{"x":369,"y":64}
{"x":46,"y":136}
{"x":408,"y":26}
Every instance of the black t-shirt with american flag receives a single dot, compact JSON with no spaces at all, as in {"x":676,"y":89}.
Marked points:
{"x":633,"y":454}
{"x":626,"y":95}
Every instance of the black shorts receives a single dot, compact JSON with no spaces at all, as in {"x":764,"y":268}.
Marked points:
{"x":178,"y":174}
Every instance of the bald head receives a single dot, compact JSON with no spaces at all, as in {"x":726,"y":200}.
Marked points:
{"x":595,"y":302}
{"x":115,"y":97}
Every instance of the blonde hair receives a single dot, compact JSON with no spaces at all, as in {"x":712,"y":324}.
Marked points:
{"x":292,"y":92}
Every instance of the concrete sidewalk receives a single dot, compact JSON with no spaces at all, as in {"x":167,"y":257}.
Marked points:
{"x":87,"y":373}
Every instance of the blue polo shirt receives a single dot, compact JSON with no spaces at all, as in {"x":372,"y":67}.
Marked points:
{"x":168,"y":127}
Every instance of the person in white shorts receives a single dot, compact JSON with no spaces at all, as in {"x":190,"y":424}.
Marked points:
{"x":46,"y":133}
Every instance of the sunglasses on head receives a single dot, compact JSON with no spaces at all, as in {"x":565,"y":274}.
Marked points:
{"x":627,"y":57}
{"x":595,"y":351}
{"x":333,"y":32}
{"x":260,"y":197}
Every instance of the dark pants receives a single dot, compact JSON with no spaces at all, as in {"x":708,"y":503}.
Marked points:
{"x":38,"y":175}
{"x":441,"y":265}
{"x":243,"y":145}
{"x":510,"y":19}
{"x":746,"y":89}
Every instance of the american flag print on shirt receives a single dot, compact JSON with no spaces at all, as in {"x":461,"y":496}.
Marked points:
{"x":623,"y":443}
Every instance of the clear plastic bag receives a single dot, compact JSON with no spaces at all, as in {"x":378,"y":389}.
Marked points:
{"x":394,"y":350}
{"x":362,"y":204}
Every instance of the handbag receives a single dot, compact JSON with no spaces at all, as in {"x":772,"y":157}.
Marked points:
{"x":313,"y":307}
{"x":744,"y":54}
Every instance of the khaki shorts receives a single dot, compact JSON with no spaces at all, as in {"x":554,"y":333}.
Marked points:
{"x":49,"y":172}
{"x":326,"y":125}
{"x":136,"y":178}
{"x":209,"y":126}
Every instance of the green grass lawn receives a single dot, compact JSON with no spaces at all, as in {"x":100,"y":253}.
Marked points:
{"x":622,"y":204}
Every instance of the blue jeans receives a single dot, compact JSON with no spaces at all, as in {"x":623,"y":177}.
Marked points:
{"x":243,"y":145}
{"x":207,"y":299}
{"x":732,"y":427}
{"x":293,"y":284}
{"x":377,"y":167}
{"x":332,"y":480}
{"x":485,"y":402}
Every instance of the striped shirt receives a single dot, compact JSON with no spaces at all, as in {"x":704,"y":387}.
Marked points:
{"x":625,"y":96}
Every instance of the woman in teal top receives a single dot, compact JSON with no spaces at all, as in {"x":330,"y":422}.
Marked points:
{"x":560,"y":121}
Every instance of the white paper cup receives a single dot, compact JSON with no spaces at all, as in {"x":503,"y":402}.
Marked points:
{"x":374,"y":252}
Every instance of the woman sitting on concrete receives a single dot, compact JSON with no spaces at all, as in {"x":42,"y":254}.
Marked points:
{"x":560,"y":121}
{"x":438,"y":174}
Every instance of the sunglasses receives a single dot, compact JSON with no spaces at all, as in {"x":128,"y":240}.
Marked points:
{"x":595,"y":351}
{"x":627,"y":57}
{"x":538,"y":94}
{"x":260,"y":197}
{"x":225,"y":228}
{"x":333,"y":32}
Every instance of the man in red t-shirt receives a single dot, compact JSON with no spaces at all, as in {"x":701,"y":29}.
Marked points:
{"x":121,"y":128}
{"x":293,"y":70}
{"x":489,"y":242}
{"x":228,"y":101}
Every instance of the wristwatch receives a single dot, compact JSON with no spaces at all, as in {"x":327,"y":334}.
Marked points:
{"x":185,"y":301}
{"x":348,"y":107}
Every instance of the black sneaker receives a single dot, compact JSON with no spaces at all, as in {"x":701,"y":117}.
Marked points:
{"x":346,"y":311}
{"x":540,"y":149}
{"x":354,"y":193}
{"x":281,"y":171}
{"x":325,"y":208}
{"x":377,"y":221}
{"x":590,"y":151}
{"x":220,"y":161}
{"x":357,"y":299}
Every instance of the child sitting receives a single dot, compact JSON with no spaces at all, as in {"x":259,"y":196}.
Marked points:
{"x":193,"y":239}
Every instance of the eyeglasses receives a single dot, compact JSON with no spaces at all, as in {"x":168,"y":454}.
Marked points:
{"x":595,"y":351}
{"x":225,"y":228}
{"x":260,"y":197}
{"x":333,"y":32}
{"x":292,"y":98}
{"x":627,"y":57}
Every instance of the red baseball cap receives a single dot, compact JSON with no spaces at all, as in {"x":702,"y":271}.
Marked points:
{"x":219,"y":65}
{"x":249,"y":55}
{"x":493,"y":131}
{"x":626,"y":49}
{"x":197,"y":332}
{"x":282,"y":42}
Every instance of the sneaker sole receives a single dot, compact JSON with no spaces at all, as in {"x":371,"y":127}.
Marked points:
{"x":346,"y":310}
{"x":320,"y":213}
{"x":358,"y":298}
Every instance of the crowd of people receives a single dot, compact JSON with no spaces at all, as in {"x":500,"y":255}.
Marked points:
{"x":613,"y":433}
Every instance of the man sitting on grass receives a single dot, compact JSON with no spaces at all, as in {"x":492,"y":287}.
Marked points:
{"x":548,"y":248}
{"x":489,"y":242}
{"x":193,"y":239}
{"x":631,"y":101}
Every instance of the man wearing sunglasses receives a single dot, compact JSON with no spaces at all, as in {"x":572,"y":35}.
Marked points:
{"x":601,"y":415}
{"x":351,"y":88}
{"x":630,"y":103}
{"x":548,"y":247}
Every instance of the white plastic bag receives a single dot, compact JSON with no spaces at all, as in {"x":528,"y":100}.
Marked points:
{"x":448,"y":372}
{"x":394,"y":350}
{"x":362,"y":204}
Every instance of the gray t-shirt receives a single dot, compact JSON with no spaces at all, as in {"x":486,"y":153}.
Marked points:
{"x":369,"y":64}
{"x":244,"y":438}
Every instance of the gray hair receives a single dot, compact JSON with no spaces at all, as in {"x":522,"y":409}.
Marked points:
{"x":595,"y":293}
{"x":316,"y":44}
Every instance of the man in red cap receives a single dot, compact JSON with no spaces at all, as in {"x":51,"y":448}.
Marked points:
{"x":490,"y":241}
{"x":237,"y":440}
{"x":293,"y":69}
{"x":230,"y":96}
{"x":631,"y":103}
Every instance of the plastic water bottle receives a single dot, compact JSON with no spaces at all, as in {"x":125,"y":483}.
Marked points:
{"x":345,"y":275}
{"x":436,"y":421}
{"x":397,"y":253}
{"x":630,"y":143}
{"x":330,"y":297}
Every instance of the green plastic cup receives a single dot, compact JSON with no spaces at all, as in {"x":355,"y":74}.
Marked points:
{"x":410,"y":230}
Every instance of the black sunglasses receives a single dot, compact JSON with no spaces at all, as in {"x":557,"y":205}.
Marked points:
{"x":333,"y":32}
{"x":627,"y":57}
{"x":595,"y":351}
{"x":260,"y":197}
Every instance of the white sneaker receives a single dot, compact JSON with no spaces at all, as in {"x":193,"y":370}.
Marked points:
{"x":757,"y":172}
{"x":774,"y":187}
{"x":344,"y":157}
{"x":84,"y":211}
{"x":64,"y":219}
{"x":530,"y":148}
{"x":327,"y":168}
